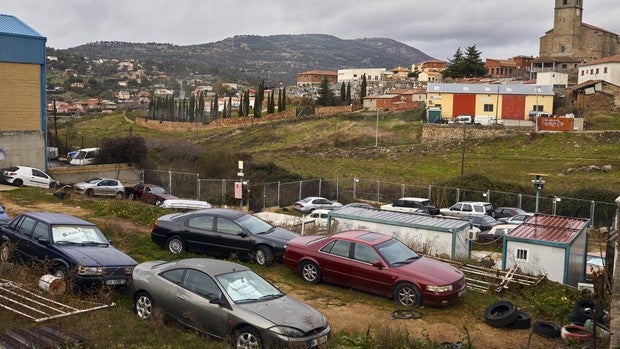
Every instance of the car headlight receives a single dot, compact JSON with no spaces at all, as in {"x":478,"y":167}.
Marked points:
{"x":82,"y":270}
{"x":287,"y":331}
{"x":439,"y":289}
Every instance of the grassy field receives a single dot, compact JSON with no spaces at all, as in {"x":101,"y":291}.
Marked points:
{"x":128,"y":223}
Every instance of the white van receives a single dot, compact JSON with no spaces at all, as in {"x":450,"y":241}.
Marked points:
{"x":487,"y":120}
{"x":84,"y":156}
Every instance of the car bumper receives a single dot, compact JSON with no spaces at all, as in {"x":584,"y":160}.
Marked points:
{"x":443,"y":298}
{"x":316,"y":340}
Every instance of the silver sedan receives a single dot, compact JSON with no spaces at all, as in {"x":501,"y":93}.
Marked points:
{"x":226,"y":300}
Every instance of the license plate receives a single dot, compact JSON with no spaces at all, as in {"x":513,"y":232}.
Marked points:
{"x":317,"y":341}
{"x":115,"y":282}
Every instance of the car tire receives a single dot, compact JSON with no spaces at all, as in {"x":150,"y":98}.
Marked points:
{"x":175,"y":244}
{"x":501,"y":314}
{"x":575,"y":333}
{"x":408,"y":294}
{"x":523,"y":321}
{"x":582,"y":311}
{"x":263,"y":256}
{"x":310,"y":272}
{"x":90,"y":193}
{"x":53,"y":186}
{"x":131,"y":196}
{"x":247,"y":337}
{"x":18,"y":182}
{"x":158,"y":202}
{"x":120,"y":195}
{"x":547,"y":329}
{"x":5,"y":252}
{"x":60,"y":272}
{"x":143,"y":305}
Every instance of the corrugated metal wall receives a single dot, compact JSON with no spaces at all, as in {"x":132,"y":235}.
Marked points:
{"x":513,"y":107}
{"x":464,"y":104}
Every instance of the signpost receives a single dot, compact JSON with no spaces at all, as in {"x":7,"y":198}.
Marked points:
{"x":239,"y":186}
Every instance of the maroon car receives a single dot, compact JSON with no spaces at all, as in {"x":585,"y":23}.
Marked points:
{"x":149,"y":193}
{"x":376,"y":263}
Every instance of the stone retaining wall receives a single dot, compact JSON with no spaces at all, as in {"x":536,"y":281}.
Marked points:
{"x":434,"y":133}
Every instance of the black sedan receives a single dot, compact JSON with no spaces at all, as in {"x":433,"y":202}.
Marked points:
{"x":229,"y":301}
{"x":67,"y":246}
{"x":222,"y":232}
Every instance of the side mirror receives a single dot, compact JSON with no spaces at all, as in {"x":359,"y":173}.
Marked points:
{"x":242,"y":234}
{"x":378,"y":264}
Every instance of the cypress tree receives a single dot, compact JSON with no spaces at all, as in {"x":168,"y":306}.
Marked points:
{"x":348,"y":92}
{"x":363,"y":89}
{"x":343,"y":92}
{"x":283,"y":99}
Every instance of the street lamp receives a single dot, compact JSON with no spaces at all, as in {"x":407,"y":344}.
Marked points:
{"x":538,"y":184}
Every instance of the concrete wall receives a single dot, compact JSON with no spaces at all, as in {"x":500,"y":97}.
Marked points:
{"x":26,"y":148}
{"x":126,"y":173}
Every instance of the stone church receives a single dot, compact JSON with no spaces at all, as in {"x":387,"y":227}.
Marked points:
{"x":572,"y":42}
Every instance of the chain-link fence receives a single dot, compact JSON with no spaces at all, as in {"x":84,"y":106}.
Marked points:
{"x":259,"y":196}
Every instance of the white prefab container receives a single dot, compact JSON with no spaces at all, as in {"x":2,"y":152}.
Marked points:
{"x":423,"y":233}
{"x":549,"y":245}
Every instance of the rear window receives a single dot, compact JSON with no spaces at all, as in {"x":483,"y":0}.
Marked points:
{"x":488,"y":208}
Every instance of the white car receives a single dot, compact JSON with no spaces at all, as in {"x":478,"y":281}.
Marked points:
{"x":469,"y":208}
{"x":411,"y":205}
{"x":29,"y":176}
{"x":312,"y":203}
{"x":318,"y":217}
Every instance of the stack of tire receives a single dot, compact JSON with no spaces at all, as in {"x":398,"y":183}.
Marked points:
{"x":582,"y":318}
{"x":506,"y":314}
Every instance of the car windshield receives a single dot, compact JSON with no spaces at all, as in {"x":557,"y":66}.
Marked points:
{"x":246,"y":287}
{"x":78,"y":234}
{"x":254,"y":224}
{"x":395,"y":252}
{"x":158,"y":190}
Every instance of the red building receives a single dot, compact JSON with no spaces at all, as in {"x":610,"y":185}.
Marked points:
{"x":315,"y":77}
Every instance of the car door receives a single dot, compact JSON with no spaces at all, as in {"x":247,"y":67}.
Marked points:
{"x":231,"y":238}
{"x":199,"y":232}
{"x":39,"y":179}
{"x":102,"y":187}
{"x":466,"y":210}
{"x":22,"y":237}
{"x":335,"y":263}
{"x":321,"y":203}
{"x":364,"y":275}
{"x":194,"y":306}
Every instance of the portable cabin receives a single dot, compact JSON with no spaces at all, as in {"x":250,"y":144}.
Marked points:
{"x":549,"y":245}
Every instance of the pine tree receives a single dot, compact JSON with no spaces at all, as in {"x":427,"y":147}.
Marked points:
{"x":474,"y":66}
{"x":326,"y":96}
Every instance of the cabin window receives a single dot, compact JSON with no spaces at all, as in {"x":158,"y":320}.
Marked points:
{"x":522,"y":254}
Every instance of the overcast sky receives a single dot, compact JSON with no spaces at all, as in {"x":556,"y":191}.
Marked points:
{"x":498,"y":28}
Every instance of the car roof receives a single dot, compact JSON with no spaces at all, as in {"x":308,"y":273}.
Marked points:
{"x":366,"y":236}
{"x":414,"y":199}
{"x":474,"y":202}
{"x":225,"y":212}
{"x":210,"y":266}
{"x":57,"y":218}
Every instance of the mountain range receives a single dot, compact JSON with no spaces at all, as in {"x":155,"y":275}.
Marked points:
{"x":251,"y":58}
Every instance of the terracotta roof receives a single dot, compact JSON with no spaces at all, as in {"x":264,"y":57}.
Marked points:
{"x":609,"y":59}
{"x":550,"y":228}
{"x":590,"y":83}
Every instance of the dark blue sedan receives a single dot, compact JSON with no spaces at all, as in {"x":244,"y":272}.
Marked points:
{"x":68,"y":247}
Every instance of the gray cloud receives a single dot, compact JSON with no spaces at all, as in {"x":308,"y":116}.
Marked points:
{"x":498,"y":28}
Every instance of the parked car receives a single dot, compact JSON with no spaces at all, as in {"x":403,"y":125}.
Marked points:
{"x":517,"y":219}
{"x":101,"y":187}
{"x":505,"y":212}
{"x":411,"y":205}
{"x":318,"y":217}
{"x":68,"y":247}
{"x":222,"y":232}
{"x":355,"y":204}
{"x":149,"y":193}
{"x":3,"y":215}
{"x":312,"y":203}
{"x":29,"y":176}
{"x":185,"y":204}
{"x":469,"y":208}
{"x":85,"y":156}
{"x":228,"y":301}
{"x":375,"y":263}
{"x":495,"y":234}
{"x":462,"y":119}
{"x":483,"y":222}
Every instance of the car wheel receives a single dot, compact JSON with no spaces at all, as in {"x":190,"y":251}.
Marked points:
{"x":263,"y":256}
{"x":143,"y":305}
{"x":501,"y":314}
{"x":247,"y":338}
{"x":5,"y":252}
{"x":120,"y":195}
{"x":60,"y":272}
{"x":90,"y":193}
{"x":175,"y":244}
{"x":408,"y":294}
{"x":547,"y":329}
{"x":523,"y":321}
{"x":131,"y":196}
{"x":310,"y":272}
{"x":158,"y":202}
{"x":18,"y":182}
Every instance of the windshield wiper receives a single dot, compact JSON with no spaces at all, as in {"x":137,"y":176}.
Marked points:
{"x":93,"y":243}
{"x":406,"y":261}
{"x":271,"y":296}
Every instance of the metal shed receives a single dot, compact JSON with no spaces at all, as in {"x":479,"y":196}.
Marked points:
{"x":549,"y":245}
{"x":428,"y":234}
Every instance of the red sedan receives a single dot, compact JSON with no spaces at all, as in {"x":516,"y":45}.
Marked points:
{"x":376,"y":263}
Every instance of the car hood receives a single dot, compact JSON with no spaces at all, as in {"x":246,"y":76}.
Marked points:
{"x":96,"y":255}
{"x":287,"y":311}
{"x":431,"y":271}
{"x":279,"y":234}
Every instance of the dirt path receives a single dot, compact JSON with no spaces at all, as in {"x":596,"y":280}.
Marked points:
{"x":446,"y":325}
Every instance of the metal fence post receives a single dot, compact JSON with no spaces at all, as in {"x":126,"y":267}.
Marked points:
{"x":430,"y":192}
{"x":223,"y":191}
{"x":299,"y":195}
{"x":402,"y":190}
{"x":264,"y":197}
{"x":320,"y":184}
{"x":458,"y":194}
{"x":142,"y":176}
{"x":278,"y":193}
{"x":197,"y":186}
{"x":592,"y":206}
{"x":379,"y":191}
{"x":170,"y":182}
{"x":488,"y":195}
{"x":354,"y":187}
{"x":520,"y":203}
{"x":337,"y":189}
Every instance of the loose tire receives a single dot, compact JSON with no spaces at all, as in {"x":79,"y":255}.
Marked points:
{"x":263,"y":256}
{"x":310,"y":272}
{"x":523,"y":321}
{"x":143,"y":305}
{"x":547,"y":329}
{"x":582,"y":311}
{"x":575,"y":333}
{"x":501,"y":314}
{"x":408,"y":294}
{"x":5,"y":252}
{"x":247,"y":337}
{"x":175,"y":244}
